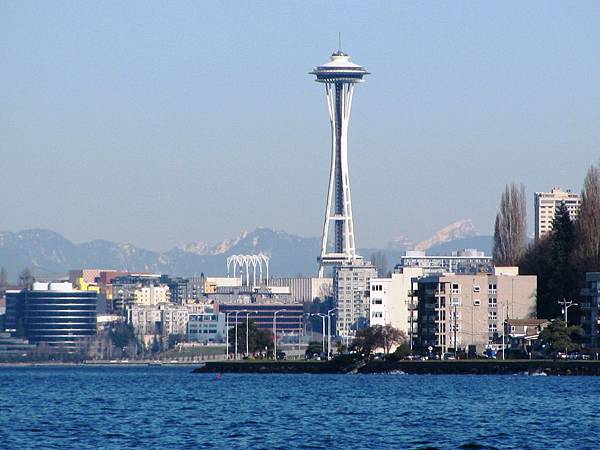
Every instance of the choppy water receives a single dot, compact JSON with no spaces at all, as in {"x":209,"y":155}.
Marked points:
{"x":168,"y":407}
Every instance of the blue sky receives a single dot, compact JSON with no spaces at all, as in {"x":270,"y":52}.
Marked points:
{"x":159,"y":123}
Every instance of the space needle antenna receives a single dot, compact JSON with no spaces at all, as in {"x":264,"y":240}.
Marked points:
{"x":340,"y":41}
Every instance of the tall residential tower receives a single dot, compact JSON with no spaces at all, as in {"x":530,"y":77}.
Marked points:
{"x":339,"y":76}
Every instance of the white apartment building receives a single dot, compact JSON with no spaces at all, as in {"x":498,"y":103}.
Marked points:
{"x":351,"y":296}
{"x":164,"y":319}
{"x":390,"y":300}
{"x":151,"y":295}
{"x":546,"y":204}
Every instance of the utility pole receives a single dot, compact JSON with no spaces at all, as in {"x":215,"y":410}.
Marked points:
{"x":455,"y":331}
{"x":566,"y":304}
{"x":505,"y":323}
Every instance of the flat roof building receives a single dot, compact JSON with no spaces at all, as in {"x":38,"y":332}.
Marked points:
{"x":546,"y":204}
{"x":467,"y":312}
{"x":53,"y":313}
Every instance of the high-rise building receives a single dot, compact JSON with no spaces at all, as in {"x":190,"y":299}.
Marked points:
{"x":546,"y":204}
{"x":339,"y":76}
{"x":351,"y":296}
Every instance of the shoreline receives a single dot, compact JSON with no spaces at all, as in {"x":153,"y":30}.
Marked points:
{"x":461,"y":367}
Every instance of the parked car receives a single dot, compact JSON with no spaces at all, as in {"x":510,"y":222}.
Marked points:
{"x":280,"y":356}
{"x":449,"y":356}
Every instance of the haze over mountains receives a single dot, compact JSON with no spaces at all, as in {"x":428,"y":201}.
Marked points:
{"x":51,"y":255}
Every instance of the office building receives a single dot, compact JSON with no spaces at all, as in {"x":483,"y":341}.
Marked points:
{"x":53,"y":313}
{"x":467,"y":312}
{"x":351,"y":296}
{"x":289,"y":316}
{"x":546,"y":204}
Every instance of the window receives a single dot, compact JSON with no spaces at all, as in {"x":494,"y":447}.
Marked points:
{"x":455,"y":288}
{"x":455,"y":301}
{"x":492,"y":302}
{"x":377,"y":314}
{"x":476,"y":289}
{"x":476,"y":302}
{"x":376,"y":301}
{"x":492,"y":327}
{"x":492,"y":315}
{"x":492,"y":288}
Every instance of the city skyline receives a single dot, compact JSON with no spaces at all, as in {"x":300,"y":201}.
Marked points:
{"x":132,"y":132}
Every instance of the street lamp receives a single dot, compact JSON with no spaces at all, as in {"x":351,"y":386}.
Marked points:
{"x":566,"y":304}
{"x":275,"y":332}
{"x":329,"y":331}
{"x":236,"y":333}
{"x":322,"y":316}
{"x":227,"y":334}
{"x":247,"y":327}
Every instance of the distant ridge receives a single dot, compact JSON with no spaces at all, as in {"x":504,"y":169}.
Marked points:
{"x":51,"y":255}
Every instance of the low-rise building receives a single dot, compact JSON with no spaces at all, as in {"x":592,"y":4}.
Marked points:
{"x":289,"y":315}
{"x":206,"y":327}
{"x":467,"y":312}
{"x":523,"y":333}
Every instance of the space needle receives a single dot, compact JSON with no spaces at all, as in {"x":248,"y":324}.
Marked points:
{"x":339,"y":76}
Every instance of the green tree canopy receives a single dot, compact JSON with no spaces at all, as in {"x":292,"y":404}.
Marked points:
{"x":258,"y":339}
{"x":559,"y":338}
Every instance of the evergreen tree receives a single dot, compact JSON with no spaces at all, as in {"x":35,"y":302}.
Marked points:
{"x":563,"y":281}
{"x":551,"y":259}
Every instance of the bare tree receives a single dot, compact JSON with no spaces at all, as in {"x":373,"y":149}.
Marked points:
{"x":588,"y":222}
{"x":390,"y":337}
{"x":510,"y":229}
{"x":379,"y":260}
{"x":26,"y":278}
{"x":3,"y":277}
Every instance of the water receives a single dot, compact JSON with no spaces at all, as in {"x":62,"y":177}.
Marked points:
{"x":169,"y":407}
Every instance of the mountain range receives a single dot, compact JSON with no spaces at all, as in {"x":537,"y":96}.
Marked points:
{"x":51,"y":255}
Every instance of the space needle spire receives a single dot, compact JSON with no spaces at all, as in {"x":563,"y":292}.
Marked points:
{"x":339,"y":76}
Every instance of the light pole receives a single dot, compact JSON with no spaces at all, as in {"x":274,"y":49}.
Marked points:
{"x":566,"y":304}
{"x":329,"y":331}
{"x":247,"y":326}
{"x":322,"y":316}
{"x":236,"y":333}
{"x":275,"y":333}
{"x":227,"y":335}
